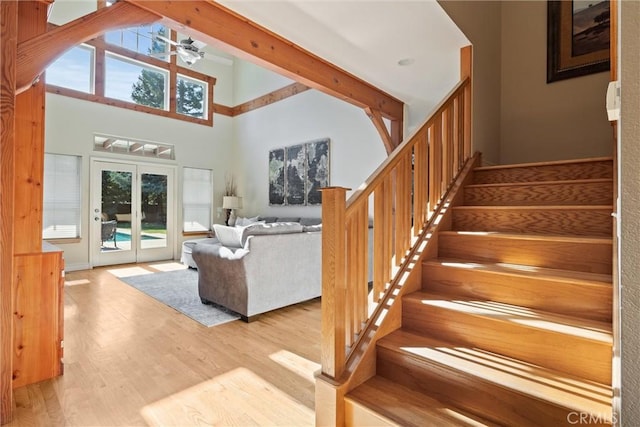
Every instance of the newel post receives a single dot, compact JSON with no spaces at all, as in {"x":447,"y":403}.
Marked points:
{"x":333,"y":280}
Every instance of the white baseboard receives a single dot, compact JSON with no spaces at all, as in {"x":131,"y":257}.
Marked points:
{"x":76,"y":267}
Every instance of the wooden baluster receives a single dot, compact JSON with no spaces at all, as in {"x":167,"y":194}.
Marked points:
{"x":402,"y":219}
{"x":351,"y":282}
{"x":363,"y":265}
{"x":420,"y":178}
{"x":333,"y":281}
{"x":446,"y":142}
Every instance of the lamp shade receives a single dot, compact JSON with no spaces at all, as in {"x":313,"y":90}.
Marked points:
{"x":231,"y":202}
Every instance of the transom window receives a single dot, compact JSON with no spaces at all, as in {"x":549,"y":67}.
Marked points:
{"x":113,"y":144}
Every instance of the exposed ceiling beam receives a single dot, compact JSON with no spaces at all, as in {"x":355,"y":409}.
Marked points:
{"x":220,"y":27}
{"x":34,"y":55}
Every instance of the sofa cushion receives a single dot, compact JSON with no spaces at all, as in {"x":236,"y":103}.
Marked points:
{"x":243,"y":222}
{"x":230,"y":237}
{"x":310,"y":221}
{"x":291,"y":219}
{"x":272,"y":228}
{"x":268,"y":219}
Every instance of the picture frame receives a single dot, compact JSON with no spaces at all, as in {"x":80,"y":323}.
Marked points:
{"x":298,"y":172}
{"x":578,"y":37}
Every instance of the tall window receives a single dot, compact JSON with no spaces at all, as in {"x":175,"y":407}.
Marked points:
{"x":197,"y":199}
{"x":61,"y":215}
{"x":74,"y":69}
{"x":140,"y":39}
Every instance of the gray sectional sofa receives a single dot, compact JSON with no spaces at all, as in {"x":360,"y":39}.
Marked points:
{"x":261,"y":267}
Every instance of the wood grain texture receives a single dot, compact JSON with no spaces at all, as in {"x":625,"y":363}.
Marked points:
{"x":575,"y":192}
{"x":270,"y":98}
{"x":131,"y":360}
{"x":397,"y":405}
{"x":39,"y":50}
{"x":494,"y":387}
{"x":591,"y":255}
{"x":219,"y":27}
{"x":8,"y":51}
{"x":577,"y":294}
{"x":559,"y":220}
{"x":579,"y":347}
{"x":37,"y":323}
{"x":596,"y":168}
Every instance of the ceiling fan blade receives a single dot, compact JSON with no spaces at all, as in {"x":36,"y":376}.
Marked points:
{"x":198,"y":44}
{"x":165,"y":39}
{"x":162,"y":54}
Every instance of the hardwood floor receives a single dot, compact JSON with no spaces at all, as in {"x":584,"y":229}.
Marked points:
{"x":131,"y":360}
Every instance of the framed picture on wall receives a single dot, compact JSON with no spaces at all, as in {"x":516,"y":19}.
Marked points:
{"x":298,"y":172}
{"x":276,"y":176}
{"x":578,"y":37}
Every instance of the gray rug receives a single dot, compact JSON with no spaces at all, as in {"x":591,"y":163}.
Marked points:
{"x":179,"y":290}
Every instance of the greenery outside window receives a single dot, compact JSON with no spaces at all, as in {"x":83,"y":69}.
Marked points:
{"x":133,"y":81}
{"x":139,"y":39}
{"x":191,"y":97}
{"x":62,"y":196}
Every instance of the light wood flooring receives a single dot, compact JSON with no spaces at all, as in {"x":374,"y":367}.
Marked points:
{"x":132,"y":361}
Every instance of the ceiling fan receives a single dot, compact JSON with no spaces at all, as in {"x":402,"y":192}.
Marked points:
{"x":188,"y":50}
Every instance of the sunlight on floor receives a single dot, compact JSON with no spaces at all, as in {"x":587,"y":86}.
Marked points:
{"x":301,"y":366}
{"x":129,"y":271}
{"x":236,"y":398}
{"x":169,"y":266}
{"x":76,"y":282}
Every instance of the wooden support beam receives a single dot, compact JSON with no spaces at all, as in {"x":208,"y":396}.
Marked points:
{"x":378,"y":122}
{"x":270,"y":98}
{"x":8,"y":52}
{"x":222,"y":28}
{"x":36,"y":53}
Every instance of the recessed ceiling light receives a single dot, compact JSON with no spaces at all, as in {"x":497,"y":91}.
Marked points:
{"x":406,"y":61}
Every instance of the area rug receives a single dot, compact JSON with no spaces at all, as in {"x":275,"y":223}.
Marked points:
{"x":179,"y":290}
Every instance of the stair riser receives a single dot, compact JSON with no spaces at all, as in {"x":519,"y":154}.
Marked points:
{"x":593,"y":301}
{"x":559,"y":172}
{"x":480,"y":397}
{"x":591,"y":193}
{"x":534,"y":221}
{"x":592,"y":257}
{"x":554,"y":350}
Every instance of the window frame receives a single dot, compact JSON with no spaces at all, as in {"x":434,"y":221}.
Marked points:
{"x":102,"y":47}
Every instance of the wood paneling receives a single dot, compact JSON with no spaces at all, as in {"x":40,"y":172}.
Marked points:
{"x":597,"y":168}
{"x":8,"y":51}
{"x":475,"y":380}
{"x":37,"y":311}
{"x":575,"y":192}
{"x":561,"y":252}
{"x":219,"y":27}
{"x":572,"y":293}
{"x":559,"y":220}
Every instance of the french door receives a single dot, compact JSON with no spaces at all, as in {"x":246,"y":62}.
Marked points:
{"x":132,"y":213}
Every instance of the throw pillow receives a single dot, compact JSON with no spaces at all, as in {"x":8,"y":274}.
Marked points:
{"x":230,"y":237}
{"x":243,"y":222}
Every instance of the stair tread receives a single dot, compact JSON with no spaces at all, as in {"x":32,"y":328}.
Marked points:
{"x":538,"y":183}
{"x":409,"y":407}
{"x":549,"y":163}
{"x":526,"y":270}
{"x":540,"y":237}
{"x":585,"y":328}
{"x":544,"y":384}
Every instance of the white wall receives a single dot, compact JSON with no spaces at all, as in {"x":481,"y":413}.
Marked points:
{"x":71,"y":124}
{"x":356,"y":147}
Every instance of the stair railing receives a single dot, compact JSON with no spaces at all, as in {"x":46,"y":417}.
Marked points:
{"x":403,"y":194}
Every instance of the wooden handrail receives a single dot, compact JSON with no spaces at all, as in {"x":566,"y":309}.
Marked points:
{"x":406,"y":190}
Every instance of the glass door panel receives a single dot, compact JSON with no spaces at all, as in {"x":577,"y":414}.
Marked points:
{"x":153,"y":232}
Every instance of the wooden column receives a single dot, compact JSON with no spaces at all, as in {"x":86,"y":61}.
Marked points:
{"x":334,"y":248}
{"x":29,"y":166}
{"x":8,"y":52}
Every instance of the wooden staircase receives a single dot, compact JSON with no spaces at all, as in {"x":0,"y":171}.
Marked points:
{"x":512,"y":325}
